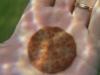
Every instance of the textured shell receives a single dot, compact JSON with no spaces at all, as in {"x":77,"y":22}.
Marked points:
{"x":52,"y":50}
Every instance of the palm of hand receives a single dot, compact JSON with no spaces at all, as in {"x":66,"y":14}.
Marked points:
{"x":74,"y":24}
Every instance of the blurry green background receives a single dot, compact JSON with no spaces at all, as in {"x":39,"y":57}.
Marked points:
{"x":10,"y":13}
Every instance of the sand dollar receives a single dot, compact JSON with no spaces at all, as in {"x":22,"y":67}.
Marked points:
{"x":51,"y":50}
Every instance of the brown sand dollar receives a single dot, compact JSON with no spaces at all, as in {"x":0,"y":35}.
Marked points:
{"x":51,"y":50}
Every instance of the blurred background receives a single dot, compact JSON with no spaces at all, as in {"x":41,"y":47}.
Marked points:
{"x":10,"y":13}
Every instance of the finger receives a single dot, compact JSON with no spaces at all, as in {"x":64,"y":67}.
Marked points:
{"x":80,"y":21}
{"x":78,"y":28}
{"x":41,"y":8}
{"x":94,"y":27}
{"x":79,"y":31}
{"x":43,"y":3}
{"x":81,"y":16}
{"x":82,"y":11}
{"x":65,"y":4}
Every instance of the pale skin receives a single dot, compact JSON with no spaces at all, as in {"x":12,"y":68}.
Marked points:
{"x":13,"y":52}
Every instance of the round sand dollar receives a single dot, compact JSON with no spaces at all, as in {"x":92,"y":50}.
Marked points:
{"x":51,"y":50}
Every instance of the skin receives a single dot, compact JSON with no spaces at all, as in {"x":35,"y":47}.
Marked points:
{"x":13,"y":52}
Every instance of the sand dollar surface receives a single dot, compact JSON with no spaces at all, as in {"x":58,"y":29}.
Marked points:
{"x":51,"y":50}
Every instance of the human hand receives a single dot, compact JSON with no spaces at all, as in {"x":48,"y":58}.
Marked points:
{"x":62,"y":15}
